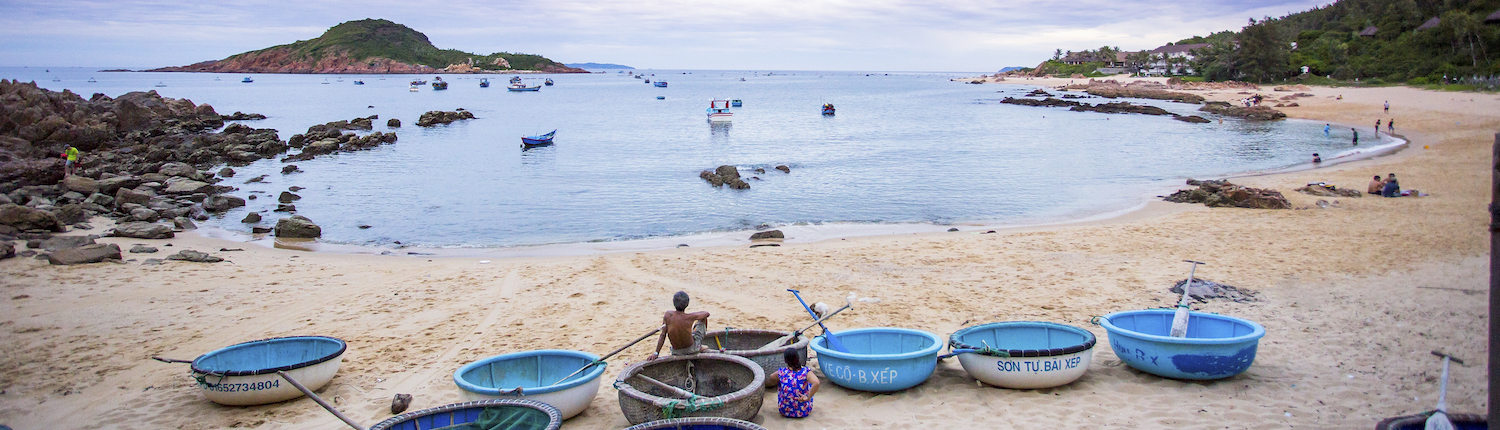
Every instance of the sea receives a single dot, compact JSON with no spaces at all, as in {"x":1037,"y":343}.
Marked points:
{"x":904,"y":152}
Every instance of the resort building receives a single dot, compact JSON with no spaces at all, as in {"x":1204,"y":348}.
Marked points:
{"x":1174,"y":57}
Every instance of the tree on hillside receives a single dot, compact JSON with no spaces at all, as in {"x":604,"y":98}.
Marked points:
{"x":1262,"y":54}
{"x":1216,"y":62}
{"x":1465,"y":30}
{"x":1057,"y":55}
{"x":1107,"y":54}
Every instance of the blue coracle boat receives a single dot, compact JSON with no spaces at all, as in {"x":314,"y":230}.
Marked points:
{"x":1216,"y":346}
{"x":535,"y":375}
{"x":511,"y":414}
{"x":880,"y":359}
{"x":544,"y":139}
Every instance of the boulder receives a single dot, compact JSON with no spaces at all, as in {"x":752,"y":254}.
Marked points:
{"x":70,"y":214}
{"x":285,"y":207}
{"x":142,"y":249}
{"x":144,"y":215}
{"x":57,"y":243}
{"x":127,"y":195}
{"x":297,"y":226}
{"x":713,"y":179}
{"x":81,"y":184}
{"x":432,"y":118}
{"x":180,"y":169}
{"x":85,"y":254}
{"x":222,"y":203}
{"x":1225,"y":194}
{"x":25,"y":218}
{"x":727,"y":172}
{"x":1191,"y":119}
{"x":287,"y":197}
{"x":194,"y":256}
{"x":784,"y":168}
{"x":393,"y":123}
{"x":226,"y":173}
{"x":7,"y":250}
{"x":773,"y":234}
{"x":183,"y":223}
{"x":182,"y":185}
{"x":290,"y":168}
{"x":141,"y":230}
{"x":1329,"y":191}
{"x":251,"y":218}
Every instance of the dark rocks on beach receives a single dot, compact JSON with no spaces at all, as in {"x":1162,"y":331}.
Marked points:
{"x":181,"y":185}
{"x":290,"y":168}
{"x":288,"y":197}
{"x":1120,"y":107}
{"x":260,"y":230}
{"x":222,"y":203}
{"x":194,"y":256}
{"x":129,"y":196}
{"x":950,"y":230}
{"x":81,"y":184}
{"x":724,"y":175}
{"x":183,"y":223}
{"x":364,"y":226}
{"x":56,"y":243}
{"x":25,"y":218}
{"x":251,"y":218}
{"x":297,"y":226}
{"x":1191,"y":118}
{"x":784,"y":168}
{"x":1048,"y":102}
{"x":1204,"y":289}
{"x":241,"y":116}
{"x":1329,"y":191}
{"x":7,"y":250}
{"x":71,"y":214}
{"x":85,"y":254}
{"x":1039,"y":93}
{"x":141,"y":230}
{"x":1115,"y":91}
{"x":773,"y":234}
{"x":285,"y":207}
{"x":1259,"y":113}
{"x":393,"y":123}
{"x":142,"y":249}
{"x":1225,"y":194}
{"x":226,"y":173}
{"x":432,"y":118}
{"x":261,"y":178}
{"x":294,"y":188}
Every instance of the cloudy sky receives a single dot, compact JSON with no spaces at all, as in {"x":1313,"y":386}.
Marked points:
{"x":885,"y":35}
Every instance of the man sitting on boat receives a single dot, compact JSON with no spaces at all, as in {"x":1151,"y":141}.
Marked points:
{"x":685,"y":329}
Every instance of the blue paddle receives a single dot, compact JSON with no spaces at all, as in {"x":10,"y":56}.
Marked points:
{"x":833,"y":341}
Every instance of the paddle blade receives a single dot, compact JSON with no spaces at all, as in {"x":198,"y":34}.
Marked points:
{"x":1180,"y":322}
{"x":834,"y":343}
{"x":1439,"y":421}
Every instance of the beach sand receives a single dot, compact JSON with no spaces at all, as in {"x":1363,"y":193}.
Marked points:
{"x":1353,"y":297}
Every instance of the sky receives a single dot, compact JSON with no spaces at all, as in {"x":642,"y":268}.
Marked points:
{"x":846,"y":35}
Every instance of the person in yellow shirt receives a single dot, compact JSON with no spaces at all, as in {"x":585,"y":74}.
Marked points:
{"x":72,"y":165}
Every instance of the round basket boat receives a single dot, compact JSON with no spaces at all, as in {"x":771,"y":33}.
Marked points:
{"x":880,"y":359}
{"x":513,"y":414}
{"x":245,"y":374}
{"x":1419,"y":422}
{"x":1216,"y":346}
{"x":536,"y":374}
{"x":698,"y":424}
{"x":1024,"y":354}
{"x":721,"y":385}
{"x":745,"y":343}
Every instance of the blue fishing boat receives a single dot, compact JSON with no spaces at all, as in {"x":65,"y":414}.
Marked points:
{"x":513,"y":414}
{"x":247,"y":80}
{"x":548,"y":82}
{"x":522,"y":87}
{"x":416,"y":82}
{"x":548,"y":376}
{"x":484,"y":82}
{"x":359,"y":82}
{"x":661,"y":97}
{"x":718,"y":111}
{"x":1216,"y":346}
{"x":439,"y":84}
{"x":828,"y":108}
{"x":538,"y":140}
{"x":880,"y":359}
{"x":515,"y":79}
{"x":660,"y":84}
{"x":246,"y":373}
{"x":736,"y":103}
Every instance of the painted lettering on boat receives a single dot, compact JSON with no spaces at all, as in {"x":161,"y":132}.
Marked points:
{"x":1038,"y":366}
{"x":886,"y":376}
{"x":241,"y":387}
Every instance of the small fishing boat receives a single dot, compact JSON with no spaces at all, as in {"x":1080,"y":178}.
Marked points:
{"x":325,"y":81}
{"x":522,"y":87}
{"x":534,"y":375}
{"x":484,"y":82}
{"x":648,"y":81}
{"x":439,"y":84}
{"x":414,"y":88}
{"x":418,"y":82}
{"x":718,"y":111}
{"x":359,"y":82}
{"x":160,"y":84}
{"x":660,"y":84}
{"x":828,"y":108}
{"x":880,"y":359}
{"x":245,"y":374}
{"x":92,"y":80}
{"x":511,"y":414}
{"x":538,"y":140}
{"x":748,"y":343}
{"x":736,"y":103}
{"x":547,"y":82}
{"x":701,"y":385}
{"x":1023,"y":354}
{"x":515,"y":79}
{"x":661,"y":97}
{"x":1216,"y":346}
{"x":698,"y":424}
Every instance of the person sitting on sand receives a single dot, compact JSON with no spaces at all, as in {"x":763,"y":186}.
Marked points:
{"x":1392,"y":188}
{"x":686,"y":330}
{"x":1375,"y":186}
{"x":796,"y":385}
{"x":1316,"y":158}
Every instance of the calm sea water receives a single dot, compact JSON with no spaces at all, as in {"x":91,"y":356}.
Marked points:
{"x":903,"y":148}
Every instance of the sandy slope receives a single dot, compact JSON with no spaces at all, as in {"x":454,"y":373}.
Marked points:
{"x":1349,"y":298}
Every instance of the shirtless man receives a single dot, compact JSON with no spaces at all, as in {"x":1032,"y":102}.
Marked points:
{"x":685,"y":330}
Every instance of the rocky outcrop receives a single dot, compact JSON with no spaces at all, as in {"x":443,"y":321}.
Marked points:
{"x":1112,"y":89}
{"x":194,"y":256}
{"x":1329,"y":191}
{"x":393,"y":123}
{"x":25,"y":218}
{"x":241,"y":116}
{"x":85,"y":254}
{"x":251,"y":218}
{"x":297,"y":226}
{"x":1225,"y":194}
{"x":1259,"y":113}
{"x":7,"y":250}
{"x":773,"y":234}
{"x":1191,"y":118}
{"x":432,"y":118}
{"x":724,"y":175}
{"x":56,"y":243}
{"x":141,"y":230}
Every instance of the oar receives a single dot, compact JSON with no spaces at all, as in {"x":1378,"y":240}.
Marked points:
{"x":320,"y":401}
{"x":675,"y":390}
{"x":783,"y":339}
{"x":1180,"y":320}
{"x":1439,"y":419}
{"x":833,"y":341}
{"x":612,"y":354}
{"x":171,"y":360}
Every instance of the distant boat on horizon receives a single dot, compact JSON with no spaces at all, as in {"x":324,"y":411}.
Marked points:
{"x":828,"y":108}
{"x":538,"y":140}
{"x":718,"y":111}
{"x":548,"y":82}
{"x":484,"y":82}
{"x":160,"y":84}
{"x":660,"y":84}
{"x":522,"y":87}
{"x":246,"y":80}
{"x":439,"y":84}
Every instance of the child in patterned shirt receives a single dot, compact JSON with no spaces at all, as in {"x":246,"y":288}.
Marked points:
{"x":797,"y":384}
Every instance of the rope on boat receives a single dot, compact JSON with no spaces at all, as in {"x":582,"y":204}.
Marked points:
{"x":992,"y":352}
{"x":669,"y":410}
{"x":202,"y":379}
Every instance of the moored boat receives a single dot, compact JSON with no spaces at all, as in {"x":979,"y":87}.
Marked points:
{"x":718,"y":111}
{"x":418,"y":82}
{"x":660,"y":84}
{"x":439,"y":84}
{"x":359,"y":82}
{"x":736,"y":103}
{"x":538,"y":140}
{"x":522,"y":87}
{"x":828,"y":108}
{"x":484,"y":82}
{"x":515,"y":79}
{"x":247,"y":80}
{"x":548,"y":82}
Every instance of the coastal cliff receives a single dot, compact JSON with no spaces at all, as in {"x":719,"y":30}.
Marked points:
{"x":372,"y":46}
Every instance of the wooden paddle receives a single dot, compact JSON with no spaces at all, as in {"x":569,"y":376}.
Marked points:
{"x":675,"y":390}
{"x":833,"y":341}
{"x":1439,"y":419}
{"x":1180,"y":319}
{"x":320,"y":401}
{"x":784,"y":339}
{"x":612,"y":354}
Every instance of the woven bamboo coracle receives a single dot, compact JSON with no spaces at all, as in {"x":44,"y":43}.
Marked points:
{"x":693,"y":423}
{"x":721,"y":385}
{"x":744,"y":343}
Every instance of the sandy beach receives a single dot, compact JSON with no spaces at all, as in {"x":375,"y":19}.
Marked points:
{"x":1353,"y":297}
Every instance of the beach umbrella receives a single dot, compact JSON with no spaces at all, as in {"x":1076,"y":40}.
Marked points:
{"x":1180,"y":320}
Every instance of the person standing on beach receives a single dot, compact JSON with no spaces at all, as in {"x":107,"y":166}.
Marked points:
{"x":1390,"y":126}
{"x":1325,"y":129}
{"x":1356,"y":136}
{"x":685,"y":330}
{"x":71,"y":166}
{"x":1377,"y":128}
{"x":1375,"y":186}
{"x":1387,"y":106}
{"x":796,"y":385}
